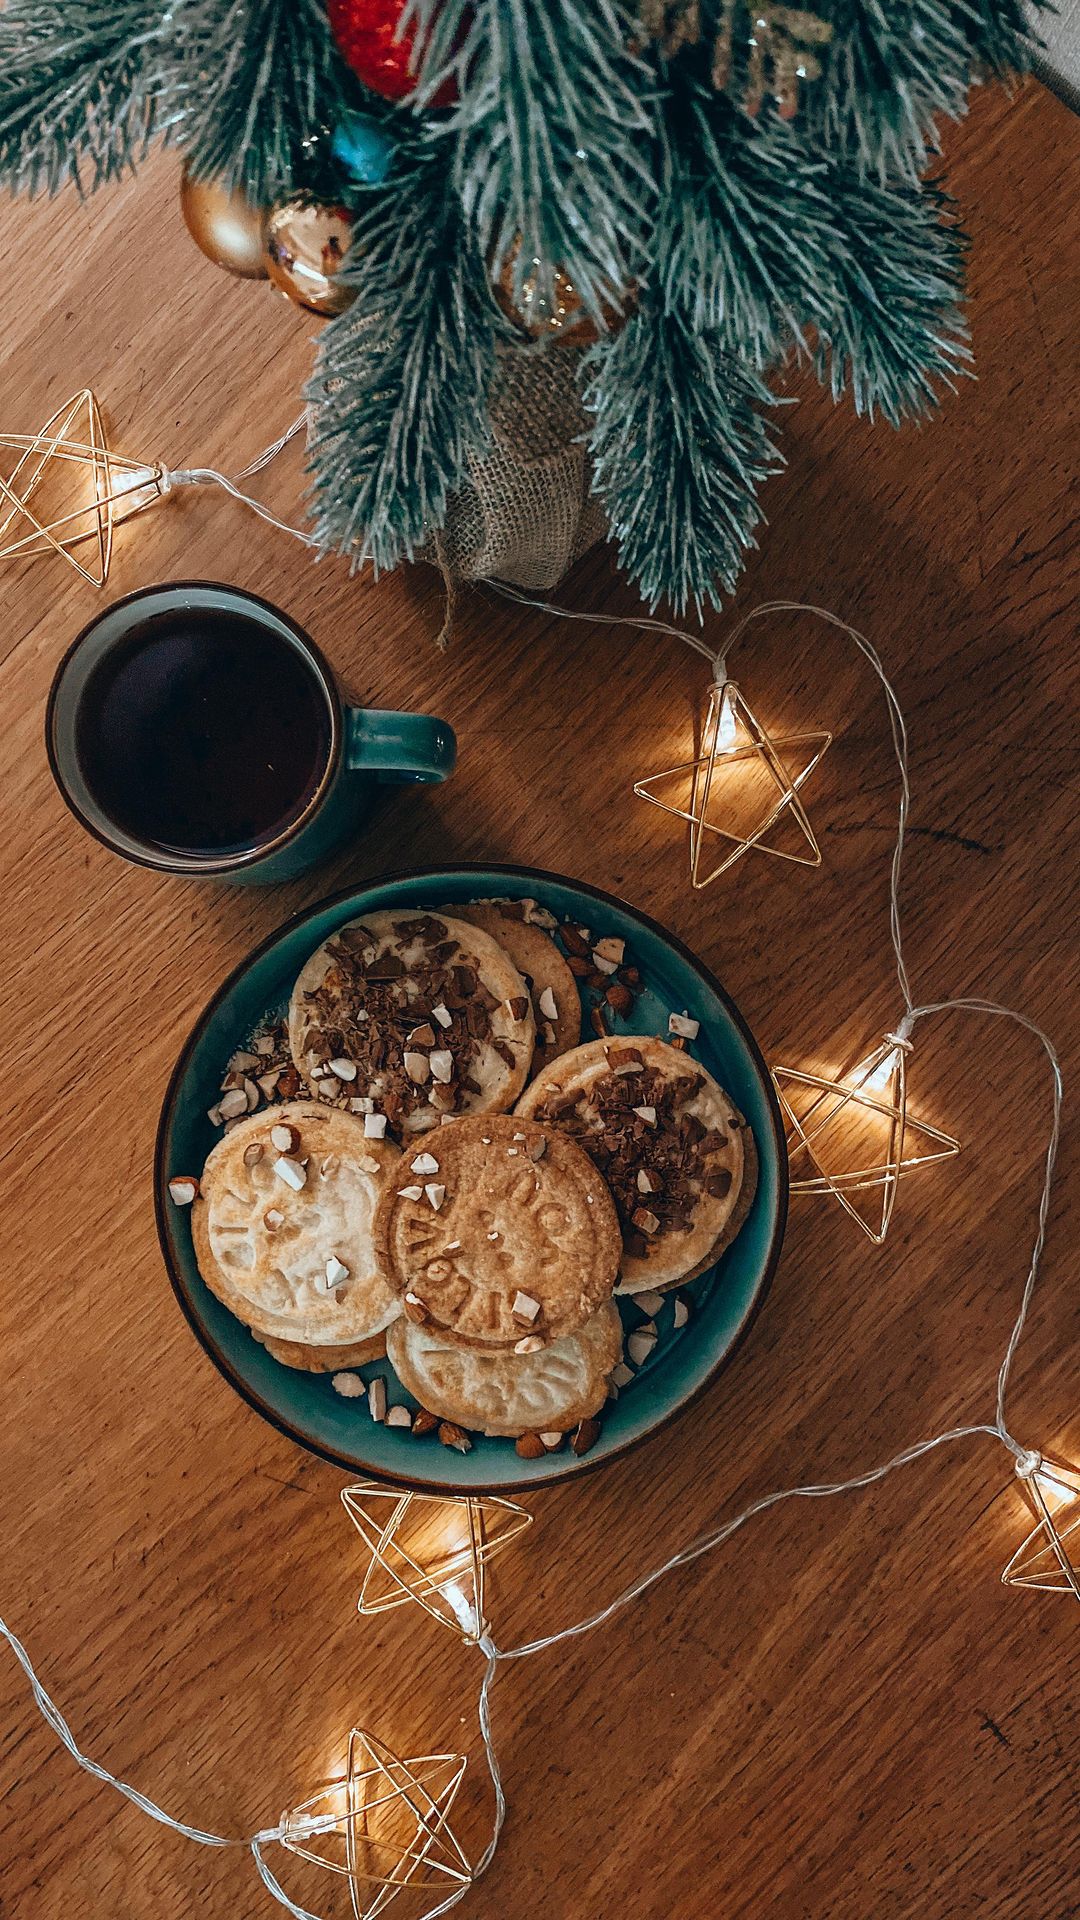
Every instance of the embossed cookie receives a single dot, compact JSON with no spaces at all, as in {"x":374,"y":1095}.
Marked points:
{"x":282,"y":1225}
{"x":509,"y":1393}
{"x":308,"y":1359}
{"x":556,"y":1003}
{"x":499,"y":1232}
{"x":677,"y":1155}
{"x":411,"y":1015}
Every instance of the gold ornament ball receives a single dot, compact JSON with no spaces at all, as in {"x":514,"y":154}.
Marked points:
{"x":303,"y":247}
{"x":561,"y":318}
{"x":227,"y":228}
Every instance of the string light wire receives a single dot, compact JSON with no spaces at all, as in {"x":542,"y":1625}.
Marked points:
{"x":717,"y":1536}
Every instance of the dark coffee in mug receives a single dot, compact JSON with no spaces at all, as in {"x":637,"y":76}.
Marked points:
{"x":203,"y":731}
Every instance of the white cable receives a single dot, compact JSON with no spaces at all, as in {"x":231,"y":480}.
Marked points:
{"x":171,"y":477}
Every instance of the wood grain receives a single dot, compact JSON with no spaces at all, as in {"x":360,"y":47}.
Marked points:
{"x":844,"y":1715}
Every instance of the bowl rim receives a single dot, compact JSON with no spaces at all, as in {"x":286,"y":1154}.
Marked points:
{"x":270,"y":1413}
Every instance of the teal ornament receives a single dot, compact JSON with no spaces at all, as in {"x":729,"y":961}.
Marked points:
{"x":363,"y":148}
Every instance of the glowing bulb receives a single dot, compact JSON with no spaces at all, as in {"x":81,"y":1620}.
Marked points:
{"x":725,"y":724}
{"x":880,"y":1074}
{"x":461,"y":1608}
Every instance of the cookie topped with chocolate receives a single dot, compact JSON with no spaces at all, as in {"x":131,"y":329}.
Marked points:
{"x":404,"y":1018}
{"x":674,"y":1150}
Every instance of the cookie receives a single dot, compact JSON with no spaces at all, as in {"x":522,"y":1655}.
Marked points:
{"x":413,"y":1015}
{"x":510,"y":1236}
{"x":305,"y":1359}
{"x":676,"y":1153}
{"x":542,"y":967}
{"x":296,"y":1262}
{"x":509,"y":1393}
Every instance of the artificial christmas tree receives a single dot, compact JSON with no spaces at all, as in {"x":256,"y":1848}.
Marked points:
{"x":711,"y":188}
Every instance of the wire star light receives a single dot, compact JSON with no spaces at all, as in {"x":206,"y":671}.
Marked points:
{"x":383,"y":1826}
{"x":1051,"y":1488}
{"x":70,"y":447}
{"x":853,"y":1107}
{"x":732,"y":735}
{"x":431,"y":1548}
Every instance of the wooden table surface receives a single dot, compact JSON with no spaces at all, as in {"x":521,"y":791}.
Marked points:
{"x":844,"y":1715}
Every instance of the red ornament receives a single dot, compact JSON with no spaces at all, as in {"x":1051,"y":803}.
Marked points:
{"x":366,"y":32}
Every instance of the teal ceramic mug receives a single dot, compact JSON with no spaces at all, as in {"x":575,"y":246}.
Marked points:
{"x":197,"y":729}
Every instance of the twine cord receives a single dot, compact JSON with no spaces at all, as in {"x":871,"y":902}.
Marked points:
{"x":1026,"y":1459}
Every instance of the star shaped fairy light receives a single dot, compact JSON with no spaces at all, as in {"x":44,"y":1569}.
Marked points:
{"x":852,"y":1137}
{"x":431,"y":1548}
{"x":733,"y":738}
{"x":383,"y":1826}
{"x":66,"y":489}
{"x":1051,"y":1488}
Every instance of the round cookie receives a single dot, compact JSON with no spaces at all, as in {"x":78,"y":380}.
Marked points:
{"x":543,"y":968}
{"x":263,"y":1248}
{"x":426,"y":1015}
{"x":513,"y":1236}
{"x":510,"y":1393}
{"x":676,"y":1153}
{"x":307,"y":1359}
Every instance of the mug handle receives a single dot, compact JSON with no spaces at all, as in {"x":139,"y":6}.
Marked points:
{"x":399,"y":746}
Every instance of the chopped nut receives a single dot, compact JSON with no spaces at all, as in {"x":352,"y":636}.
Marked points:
{"x":291,"y":1171}
{"x":547,"y":1034}
{"x":622,"y":1374}
{"x":423,"y":1036}
{"x":604,"y":966}
{"x":619,"y":999}
{"x":213,"y":1114}
{"x":250,"y":1092}
{"x":423,"y":1421}
{"x":648,"y":1301}
{"x":525,"y":1307}
{"x":416,"y":1066}
{"x":267,"y":1084}
{"x":532,"y":1343}
{"x":552,"y":1441}
{"x":575,"y":940}
{"x":681,"y":1314}
{"x":349,"y":1385}
{"x":645,"y":1181}
{"x":336,"y":1271}
{"x":424,"y":1163}
{"x":367,"y":1163}
{"x":518,"y":1007}
{"x":253,"y":1154}
{"x":410,"y":1193}
{"x":182,"y":1189}
{"x":435,"y":1193}
{"x":376,"y":1398}
{"x":538,"y":1148}
{"x":548,"y":1005}
{"x":684,"y":1026}
{"x":587,"y":1435}
{"x":645,"y":1220}
{"x":578,"y":967}
{"x":443,"y":1015}
{"x":328,"y":1088}
{"x":265,"y":1044}
{"x":233,"y":1103}
{"x":648,"y":1114}
{"x":273,"y":1218}
{"x":609,"y":949}
{"x":597,"y":1022}
{"x":442,"y":1065}
{"x":398,"y":1417}
{"x":416,"y":1311}
{"x":640,"y":1345}
{"x":285,"y":1139}
{"x":344,"y":1069}
{"x":530,"y":1446}
{"x":374,"y":1126}
{"x":453,"y":1436}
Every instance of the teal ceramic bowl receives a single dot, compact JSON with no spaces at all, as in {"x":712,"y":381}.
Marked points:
{"x":306,"y":1406}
